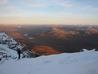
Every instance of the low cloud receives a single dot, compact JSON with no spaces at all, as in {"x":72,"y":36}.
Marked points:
{"x":37,"y":5}
{"x":3,"y":2}
{"x":67,"y":5}
{"x":47,"y":3}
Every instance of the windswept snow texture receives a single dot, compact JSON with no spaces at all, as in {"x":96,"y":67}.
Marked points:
{"x":85,"y":62}
{"x":8,"y":47}
{"x":9,"y":52}
{"x":67,"y":63}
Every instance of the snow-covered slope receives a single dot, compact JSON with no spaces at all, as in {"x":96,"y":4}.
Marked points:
{"x":85,"y":62}
{"x":66,"y":63}
{"x":8,"y":47}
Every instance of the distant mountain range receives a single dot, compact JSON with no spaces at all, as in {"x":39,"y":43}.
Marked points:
{"x":58,"y":38}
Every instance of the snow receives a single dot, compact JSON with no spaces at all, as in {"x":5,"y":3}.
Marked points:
{"x":3,"y":36}
{"x":9,"y":52}
{"x":85,"y":62}
{"x":8,"y":47}
{"x":66,"y":63}
{"x":25,"y":34}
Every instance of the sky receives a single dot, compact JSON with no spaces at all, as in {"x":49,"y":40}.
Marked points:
{"x":48,"y":11}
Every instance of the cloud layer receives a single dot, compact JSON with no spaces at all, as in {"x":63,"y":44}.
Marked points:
{"x":51,"y":9}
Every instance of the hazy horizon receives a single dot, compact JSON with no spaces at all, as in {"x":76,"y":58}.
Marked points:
{"x":49,"y":12}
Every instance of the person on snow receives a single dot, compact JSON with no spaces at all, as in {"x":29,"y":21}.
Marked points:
{"x":19,"y":53}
